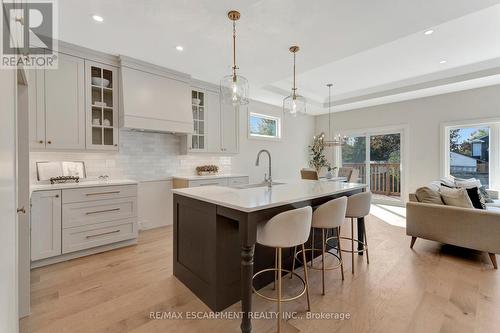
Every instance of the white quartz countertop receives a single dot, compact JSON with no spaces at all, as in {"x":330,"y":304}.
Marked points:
{"x":218,"y":176}
{"x":258,"y":198}
{"x":81,"y":184}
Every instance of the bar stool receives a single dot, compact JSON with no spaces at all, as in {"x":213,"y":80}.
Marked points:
{"x":328,"y":216}
{"x":285,"y":230}
{"x":358,"y":206}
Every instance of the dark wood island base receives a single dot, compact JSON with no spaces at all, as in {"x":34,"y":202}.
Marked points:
{"x":215,"y":252}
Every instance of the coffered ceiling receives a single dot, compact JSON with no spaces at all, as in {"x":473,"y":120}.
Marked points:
{"x":372,"y":51}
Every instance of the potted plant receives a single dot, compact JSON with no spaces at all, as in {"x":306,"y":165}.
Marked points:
{"x":317,"y":153}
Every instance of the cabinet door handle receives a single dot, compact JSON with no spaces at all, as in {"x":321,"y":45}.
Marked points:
{"x":40,"y":142}
{"x":99,"y":193}
{"x":104,"y":233}
{"x":21,"y":210}
{"x":49,"y":142}
{"x":56,"y":196}
{"x":103,"y":211}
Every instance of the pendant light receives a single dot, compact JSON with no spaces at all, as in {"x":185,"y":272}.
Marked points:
{"x":234,"y":87}
{"x":337,"y":141}
{"x":294,"y":104}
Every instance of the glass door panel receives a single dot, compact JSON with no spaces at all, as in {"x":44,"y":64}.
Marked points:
{"x":385,"y":166}
{"x":354,"y":155}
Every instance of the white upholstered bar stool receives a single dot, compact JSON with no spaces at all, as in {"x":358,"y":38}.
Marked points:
{"x":328,"y":216}
{"x":358,"y":206}
{"x":285,"y":230}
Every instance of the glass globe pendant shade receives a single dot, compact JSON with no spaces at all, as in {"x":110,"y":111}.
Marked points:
{"x":294,"y":105}
{"x":234,"y":90}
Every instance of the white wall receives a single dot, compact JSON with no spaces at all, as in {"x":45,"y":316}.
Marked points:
{"x":423,"y":117}
{"x":289,"y":155}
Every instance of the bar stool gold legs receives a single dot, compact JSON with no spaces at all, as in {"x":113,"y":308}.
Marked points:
{"x":353,"y":240}
{"x":279,"y":290}
{"x":324,"y":252}
{"x":278,"y":283}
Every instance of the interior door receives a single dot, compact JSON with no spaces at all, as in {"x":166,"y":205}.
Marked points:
{"x":23,"y":177}
{"x":8,"y":235}
{"x":65,"y":104}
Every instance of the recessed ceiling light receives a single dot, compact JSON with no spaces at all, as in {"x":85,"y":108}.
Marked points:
{"x":429,"y":32}
{"x":97,"y":18}
{"x":443,"y":62}
{"x":179,"y":48}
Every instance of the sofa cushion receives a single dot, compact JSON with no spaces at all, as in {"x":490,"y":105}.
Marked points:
{"x":428,"y":195}
{"x":455,"y":197}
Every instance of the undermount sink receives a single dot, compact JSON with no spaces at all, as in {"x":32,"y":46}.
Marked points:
{"x":241,"y":187}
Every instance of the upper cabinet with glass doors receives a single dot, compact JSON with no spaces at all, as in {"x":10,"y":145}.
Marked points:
{"x":102,"y":106}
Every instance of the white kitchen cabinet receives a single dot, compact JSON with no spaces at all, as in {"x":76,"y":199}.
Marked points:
{"x":63,"y":95}
{"x":45,"y":224}
{"x":229,"y":128}
{"x":155,"y":204}
{"x":73,"y":222}
{"x":218,"y":131}
{"x":57,"y":105}
{"x":101,"y":106}
{"x":221,"y":180}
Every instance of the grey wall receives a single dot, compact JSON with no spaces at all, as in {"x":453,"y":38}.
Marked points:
{"x":423,"y":117}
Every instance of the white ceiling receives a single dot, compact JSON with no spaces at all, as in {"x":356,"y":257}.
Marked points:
{"x":373,"y":51}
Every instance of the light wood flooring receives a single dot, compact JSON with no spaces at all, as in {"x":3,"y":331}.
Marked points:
{"x":432,"y":288}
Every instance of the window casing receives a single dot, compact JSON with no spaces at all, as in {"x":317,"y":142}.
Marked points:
{"x":261,"y":126}
{"x":471,"y":150}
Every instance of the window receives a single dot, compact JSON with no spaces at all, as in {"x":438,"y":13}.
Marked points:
{"x":264,"y":126}
{"x":469,"y":152}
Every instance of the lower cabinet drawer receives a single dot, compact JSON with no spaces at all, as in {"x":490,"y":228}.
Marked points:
{"x":208,"y":182}
{"x":86,"y":213}
{"x":80,"y":238}
{"x":238,"y":181}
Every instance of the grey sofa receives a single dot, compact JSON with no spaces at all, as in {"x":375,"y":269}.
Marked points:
{"x":466,"y":227}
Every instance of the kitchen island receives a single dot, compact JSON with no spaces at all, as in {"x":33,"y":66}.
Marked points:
{"x":215,"y":233}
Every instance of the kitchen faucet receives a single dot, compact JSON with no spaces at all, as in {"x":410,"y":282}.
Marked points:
{"x":267,"y":180}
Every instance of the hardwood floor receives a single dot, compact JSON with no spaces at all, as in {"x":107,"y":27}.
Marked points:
{"x":432,"y":288}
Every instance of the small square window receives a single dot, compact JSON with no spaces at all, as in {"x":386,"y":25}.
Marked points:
{"x":264,"y":126}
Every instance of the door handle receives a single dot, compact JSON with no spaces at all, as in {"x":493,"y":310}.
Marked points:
{"x":21,"y":210}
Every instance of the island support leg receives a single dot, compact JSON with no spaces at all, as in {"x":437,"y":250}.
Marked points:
{"x":247,"y":253}
{"x":361,"y":233}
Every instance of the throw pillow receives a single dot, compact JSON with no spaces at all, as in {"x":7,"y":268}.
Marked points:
{"x":476,"y":198}
{"x":485,"y":194}
{"x":468,"y":183}
{"x":455,"y":197}
{"x":428,"y":195}
{"x":449,"y":181}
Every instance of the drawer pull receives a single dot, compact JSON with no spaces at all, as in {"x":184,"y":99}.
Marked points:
{"x":103,"y":211}
{"x":100,"y":193}
{"x":208,"y":184}
{"x":104,"y":233}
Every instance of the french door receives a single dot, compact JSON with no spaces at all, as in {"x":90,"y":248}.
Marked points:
{"x":378,"y":158}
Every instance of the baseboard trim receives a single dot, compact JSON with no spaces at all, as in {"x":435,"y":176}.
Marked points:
{"x":82,"y":253}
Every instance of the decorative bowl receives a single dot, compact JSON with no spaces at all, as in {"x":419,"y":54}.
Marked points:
{"x":97,"y":81}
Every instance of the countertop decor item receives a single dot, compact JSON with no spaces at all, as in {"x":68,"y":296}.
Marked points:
{"x":204,"y":170}
{"x":294,"y":104}
{"x":234,"y":87}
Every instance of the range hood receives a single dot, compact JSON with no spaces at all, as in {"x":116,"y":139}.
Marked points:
{"x":153,"y":98}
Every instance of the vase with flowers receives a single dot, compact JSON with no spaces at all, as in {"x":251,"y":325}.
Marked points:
{"x":317,"y":158}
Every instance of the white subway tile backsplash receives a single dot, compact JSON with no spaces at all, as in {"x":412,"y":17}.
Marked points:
{"x":142,"y":156}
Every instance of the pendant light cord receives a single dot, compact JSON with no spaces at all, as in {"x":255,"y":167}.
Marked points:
{"x":294,"y":88}
{"x":234,"y":51}
{"x":329,"y":112}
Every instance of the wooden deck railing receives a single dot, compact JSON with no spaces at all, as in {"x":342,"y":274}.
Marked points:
{"x":385,"y":178}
